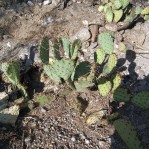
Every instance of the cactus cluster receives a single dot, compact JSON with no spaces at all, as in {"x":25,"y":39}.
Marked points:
{"x":116,"y":10}
{"x":78,"y":75}
{"x":128,"y":134}
{"x":105,"y":57}
{"x":12,"y":72}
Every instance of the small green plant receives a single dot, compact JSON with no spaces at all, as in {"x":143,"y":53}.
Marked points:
{"x":117,"y":10}
{"x":64,"y":65}
{"x":106,"y":61}
{"x":128,"y":134}
{"x":12,"y":72}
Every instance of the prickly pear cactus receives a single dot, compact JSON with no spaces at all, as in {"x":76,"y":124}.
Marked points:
{"x":121,"y":95}
{"x":116,"y":82}
{"x":104,"y":86}
{"x":44,"y":50}
{"x":83,"y":84}
{"x":12,"y":72}
{"x":145,"y":11}
{"x":111,"y":64}
{"x":128,"y":134}
{"x":125,"y":3}
{"x":55,"y":50}
{"x":141,"y":100}
{"x":82,"y":69}
{"x":117,"y":4}
{"x":66,"y":46}
{"x":59,"y":69}
{"x":117,"y":15}
{"x":109,"y":15}
{"x":106,"y":42}
{"x":76,"y":46}
{"x":100,"y":56}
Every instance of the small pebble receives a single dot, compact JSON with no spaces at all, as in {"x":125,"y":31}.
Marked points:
{"x":27,"y":140}
{"x":87,"y":141}
{"x":47,"y":2}
{"x":30,"y":3}
{"x":73,"y":139}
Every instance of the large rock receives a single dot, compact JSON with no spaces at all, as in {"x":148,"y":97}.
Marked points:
{"x":83,"y":34}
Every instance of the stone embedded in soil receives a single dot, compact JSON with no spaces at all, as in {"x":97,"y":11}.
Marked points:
{"x":83,"y":34}
{"x":94,"y":117}
{"x":9,"y":115}
{"x":3,"y":100}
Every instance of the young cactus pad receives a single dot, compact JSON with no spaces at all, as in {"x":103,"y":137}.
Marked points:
{"x":128,"y":134}
{"x":141,"y":100}
{"x":12,"y":71}
{"x":116,"y":82}
{"x":59,"y":69}
{"x":106,"y":42}
{"x":76,"y":46}
{"x":99,"y":56}
{"x":109,"y":15}
{"x":82,"y":84}
{"x":121,"y":95}
{"x":117,"y":4}
{"x":111,"y":64}
{"x":44,"y":50}
{"x":104,"y":86}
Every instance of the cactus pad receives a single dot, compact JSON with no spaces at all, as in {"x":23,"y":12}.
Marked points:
{"x":128,"y":134}
{"x":109,"y":15}
{"x":118,"y":15}
{"x":104,"y":86}
{"x":12,"y":71}
{"x":141,"y":100}
{"x":59,"y":69}
{"x":76,"y":46}
{"x":106,"y":42}
{"x":125,"y":3}
{"x":122,"y":47}
{"x":117,"y":4}
{"x":111,"y":64}
{"x":145,"y":11}
{"x":116,"y":82}
{"x":100,"y":56}
{"x":66,"y":46}
{"x":121,"y":95}
{"x":44,"y":50}
{"x":82,"y":84}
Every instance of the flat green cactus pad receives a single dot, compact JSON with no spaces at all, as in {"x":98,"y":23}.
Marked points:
{"x":128,"y":134}
{"x":12,"y":71}
{"x":109,"y":15}
{"x":111,"y":64}
{"x":121,"y":95}
{"x":104,"y":86}
{"x":117,"y":4}
{"x":100,"y":56}
{"x":44,"y":50}
{"x":117,"y":15}
{"x":125,"y":3}
{"x":59,"y":69}
{"x":116,"y":82}
{"x":106,"y":42}
{"x":141,"y":100}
